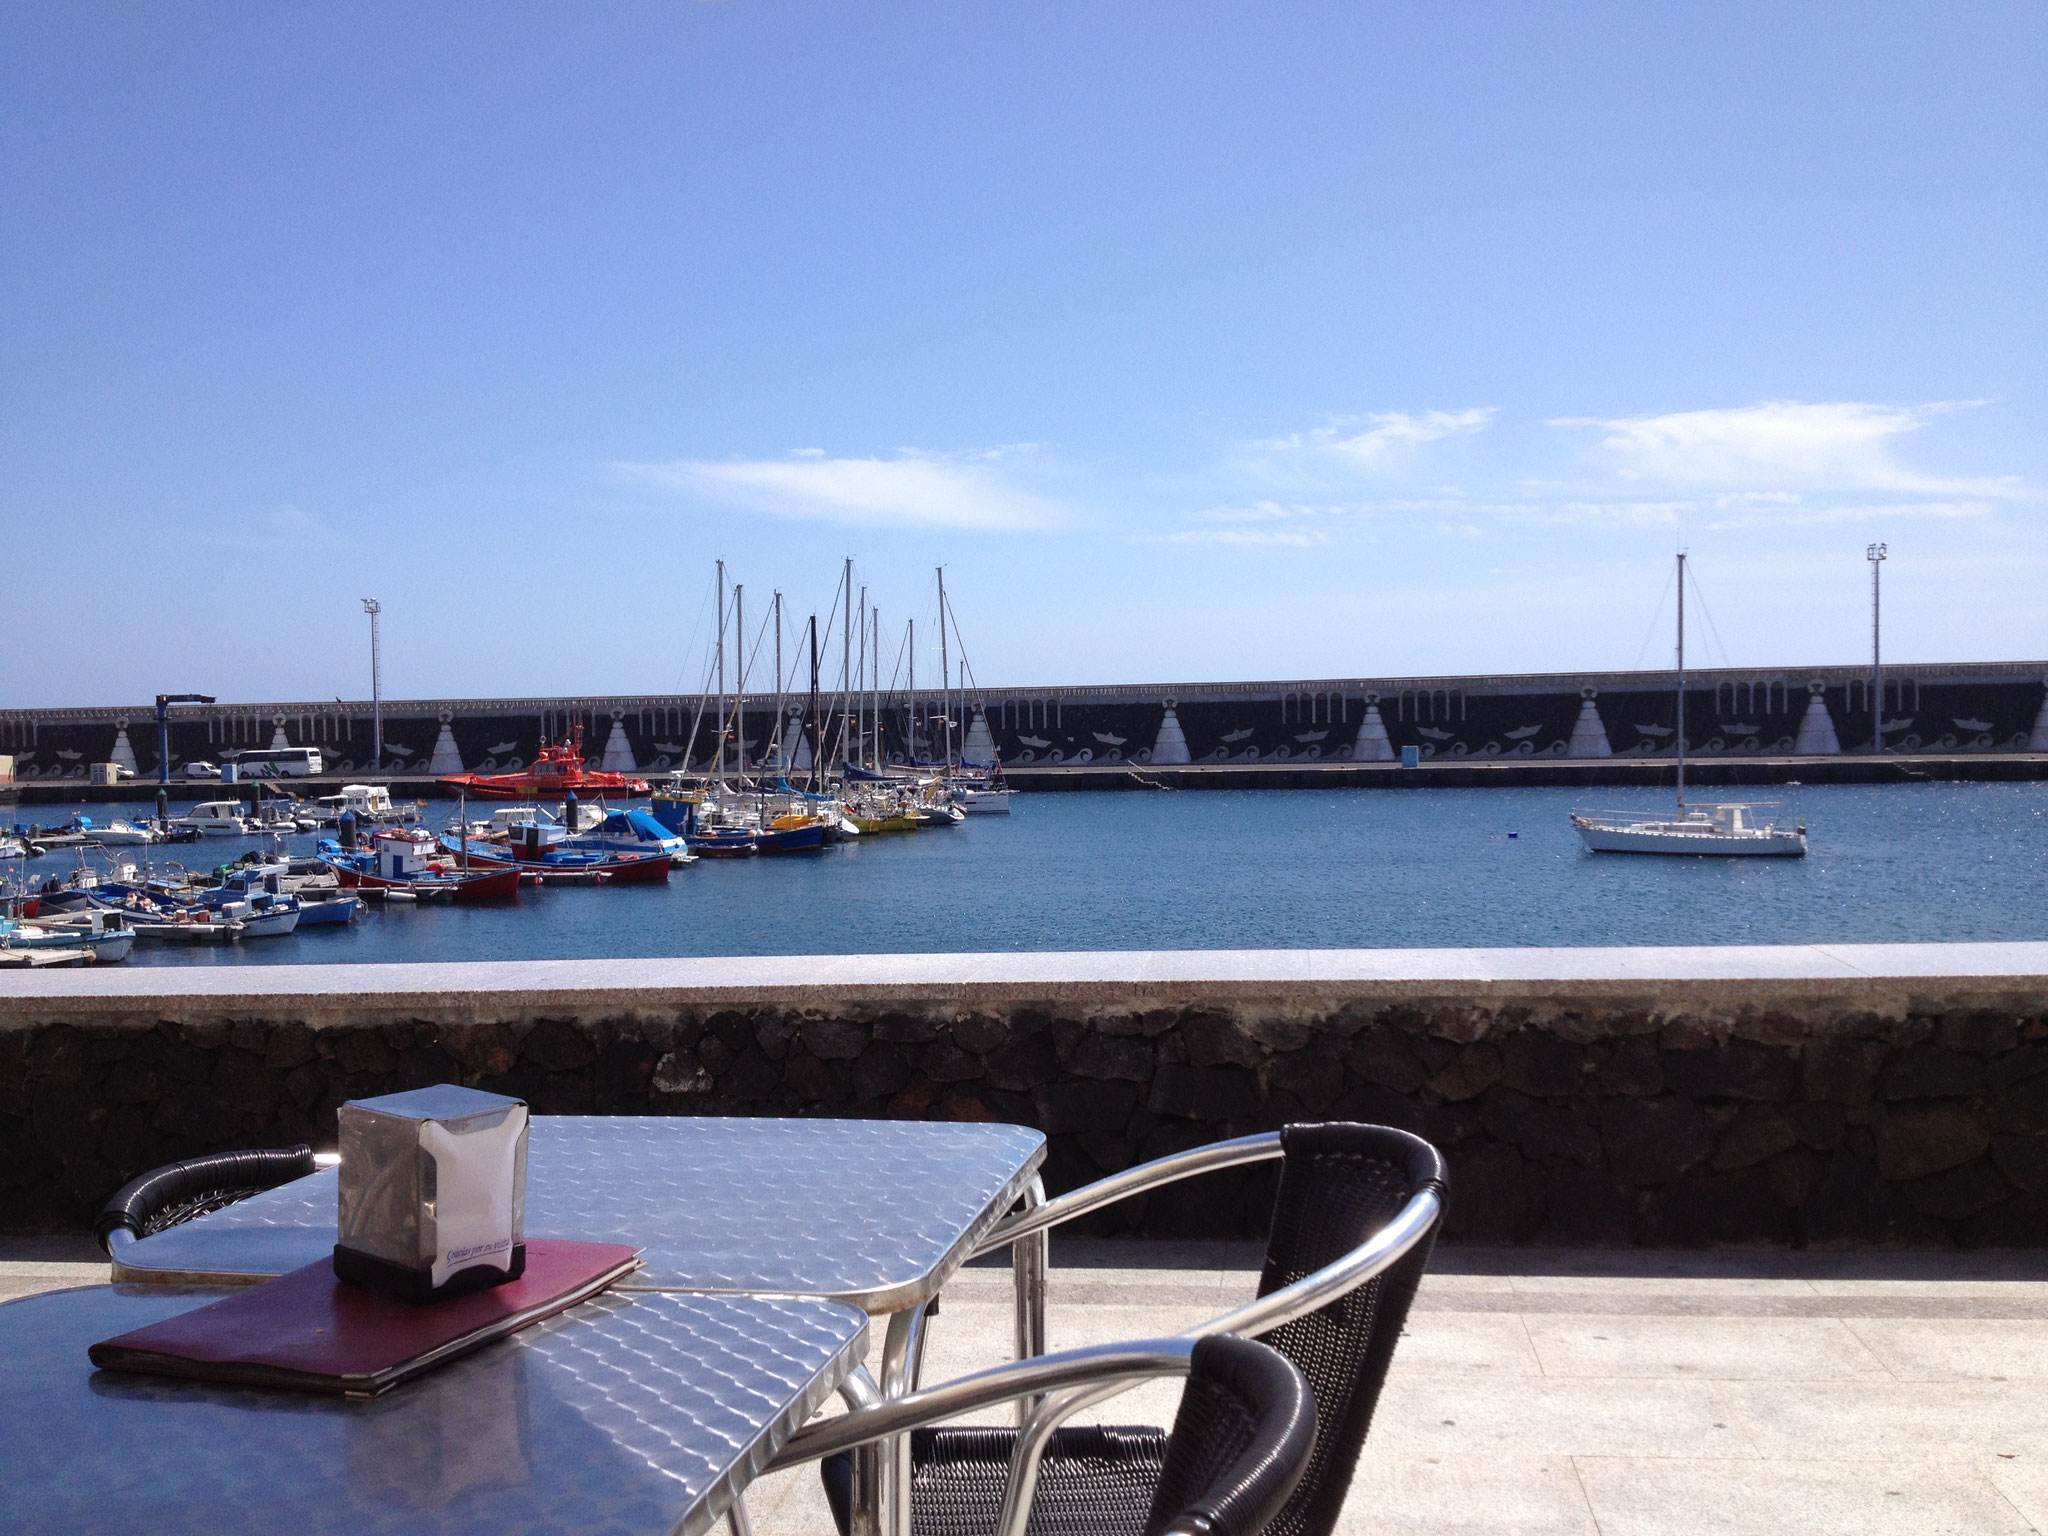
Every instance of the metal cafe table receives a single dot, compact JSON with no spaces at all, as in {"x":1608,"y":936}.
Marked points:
{"x":878,"y":1214}
{"x":641,"y":1412}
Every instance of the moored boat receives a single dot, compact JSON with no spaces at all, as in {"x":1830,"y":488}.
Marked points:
{"x":408,"y":862}
{"x":558,"y":771}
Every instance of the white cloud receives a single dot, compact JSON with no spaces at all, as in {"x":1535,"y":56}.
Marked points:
{"x":1391,"y":438}
{"x":1784,"y":446}
{"x":911,"y":490}
{"x":1286,"y":538}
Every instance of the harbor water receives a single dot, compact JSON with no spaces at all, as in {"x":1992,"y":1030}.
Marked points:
{"x":1319,"y":869}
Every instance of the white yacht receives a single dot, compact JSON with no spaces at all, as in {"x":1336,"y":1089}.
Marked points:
{"x":217,"y":818}
{"x":1724,"y":830}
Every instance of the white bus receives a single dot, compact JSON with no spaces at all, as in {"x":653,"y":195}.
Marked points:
{"x":277,"y":763}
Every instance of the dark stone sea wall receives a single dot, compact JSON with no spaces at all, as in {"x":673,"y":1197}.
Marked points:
{"x":1822,"y":1114}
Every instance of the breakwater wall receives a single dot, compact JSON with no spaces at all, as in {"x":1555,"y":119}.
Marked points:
{"x":1830,"y":1096}
{"x":1738,"y":716}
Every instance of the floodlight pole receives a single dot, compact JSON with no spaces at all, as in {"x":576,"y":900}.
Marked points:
{"x":1875,"y":554}
{"x":373,"y":608}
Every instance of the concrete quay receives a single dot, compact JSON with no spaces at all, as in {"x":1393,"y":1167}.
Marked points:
{"x":1432,"y":773}
{"x":1581,"y":1392}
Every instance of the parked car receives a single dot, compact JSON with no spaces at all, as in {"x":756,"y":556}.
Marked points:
{"x":202,"y":770}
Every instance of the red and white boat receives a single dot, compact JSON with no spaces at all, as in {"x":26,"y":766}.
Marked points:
{"x":407,"y":863}
{"x":558,"y":770}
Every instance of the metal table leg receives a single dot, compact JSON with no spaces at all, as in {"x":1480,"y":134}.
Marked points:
{"x":859,"y":1391}
{"x":902,"y":1363}
{"x":1030,"y":1266}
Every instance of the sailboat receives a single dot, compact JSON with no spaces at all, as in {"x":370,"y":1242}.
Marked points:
{"x":1721,"y":830}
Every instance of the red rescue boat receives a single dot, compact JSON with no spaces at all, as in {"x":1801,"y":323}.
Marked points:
{"x":557,"y":770}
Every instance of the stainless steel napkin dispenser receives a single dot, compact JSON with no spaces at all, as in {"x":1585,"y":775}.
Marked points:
{"x":433,"y":1192}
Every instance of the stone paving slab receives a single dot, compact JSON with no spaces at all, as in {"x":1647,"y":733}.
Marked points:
{"x":1592,"y":1394}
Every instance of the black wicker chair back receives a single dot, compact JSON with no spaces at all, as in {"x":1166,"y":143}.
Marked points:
{"x":1338,"y":1185}
{"x":178,"y":1192}
{"x":1239,"y":1445}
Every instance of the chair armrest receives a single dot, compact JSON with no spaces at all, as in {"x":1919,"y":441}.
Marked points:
{"x":1104,"y":1365}
{"x":1132,"y":1181}
{"x":1374,"y":1256}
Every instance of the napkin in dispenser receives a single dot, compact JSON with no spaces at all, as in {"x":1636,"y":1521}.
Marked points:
{"x":433,"y":1192}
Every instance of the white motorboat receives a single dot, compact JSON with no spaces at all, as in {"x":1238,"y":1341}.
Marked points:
{"x":983,"y":801}
{"x":104,"y":935}
{"x":1723,"y":830}
{"x":121,"y":834}
{"x":216,"y":818}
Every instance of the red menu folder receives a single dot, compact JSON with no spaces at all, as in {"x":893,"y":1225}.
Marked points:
{"x":311,"y":1332}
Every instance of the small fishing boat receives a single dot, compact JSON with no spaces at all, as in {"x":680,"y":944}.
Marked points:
{"x":558,"y":771}
{"x":408,"y":862}
{"x":187,"y":925}
{"x":560,"y":865}
{"x":633,"y":833}
{"x":105,"y":934}
{"x":328,"y":911}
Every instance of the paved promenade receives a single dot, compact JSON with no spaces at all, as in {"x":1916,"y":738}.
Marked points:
{"x":1592,"y":1393}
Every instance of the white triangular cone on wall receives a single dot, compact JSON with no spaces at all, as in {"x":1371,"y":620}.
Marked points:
{"x":1589,"y":735}
{"x":1817,"y":730}
{"x":1372,"y":745}
{"x":447,"y":758}
{"x":2038,"y":741}
{"x":1171,"y":744}
{"x":618,"y":752}
{"x":979,"y":749}
{"x":123,"y":754}
{"x":277,"y":741}
{"x":796,"y":745}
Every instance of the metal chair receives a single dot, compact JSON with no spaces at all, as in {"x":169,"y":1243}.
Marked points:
{"x":1239,"y":1444}
{"x":1353,"y":1224}
{"x":178,"y":1192}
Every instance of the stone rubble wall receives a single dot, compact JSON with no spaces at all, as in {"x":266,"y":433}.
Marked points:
{"x":1729,"y":1113}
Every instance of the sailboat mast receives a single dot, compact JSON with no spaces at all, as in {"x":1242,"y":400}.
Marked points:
{"x":739,"y":703}
{"x":781,"y":762}
{"x":1681,"y":680}
{"x":721,"y":671}
{"x":910,"y":645}
{"x":945,"y":677}
{"x":846,"y":660}
{"x":817,"y":733}
{"x":875,"y":684}
{"x":860,"y":687}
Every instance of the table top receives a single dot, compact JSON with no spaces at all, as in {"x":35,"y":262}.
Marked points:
{"x":878,"y":1213}
{"x":642,"y":1412}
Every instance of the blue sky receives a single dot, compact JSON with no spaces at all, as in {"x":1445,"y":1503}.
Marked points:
{"x":1196,"y":341}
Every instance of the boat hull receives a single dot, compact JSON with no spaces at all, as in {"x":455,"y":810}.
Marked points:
{"x":1699,"y":845}
{"x":494,"y":886}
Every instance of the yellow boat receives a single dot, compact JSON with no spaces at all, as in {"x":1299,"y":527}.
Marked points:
{"x":872,"y":824}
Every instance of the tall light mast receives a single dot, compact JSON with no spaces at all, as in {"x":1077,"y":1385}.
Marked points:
{"x":1875,"y":554}
{"x":373,"y":608}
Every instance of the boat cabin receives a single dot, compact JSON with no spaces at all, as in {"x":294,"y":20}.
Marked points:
{"x":406,"y":853}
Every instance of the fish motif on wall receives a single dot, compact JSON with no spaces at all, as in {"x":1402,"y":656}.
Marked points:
{"x":1238,"y":735}
{"x":1036,"y":743}
{"x":1432,"y":733}
{"x":1522,"y":733}
{"x":503,"y":746}
{"x":670,"y":747}
{"x":1961,"y":725}
{"x":1311,"y":735}
{"x":1108,"y":740}
{"x":1656,"y":730}
{"x":72,"y":757}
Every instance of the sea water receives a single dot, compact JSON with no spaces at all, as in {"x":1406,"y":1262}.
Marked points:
{"x":1285,"y":869}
